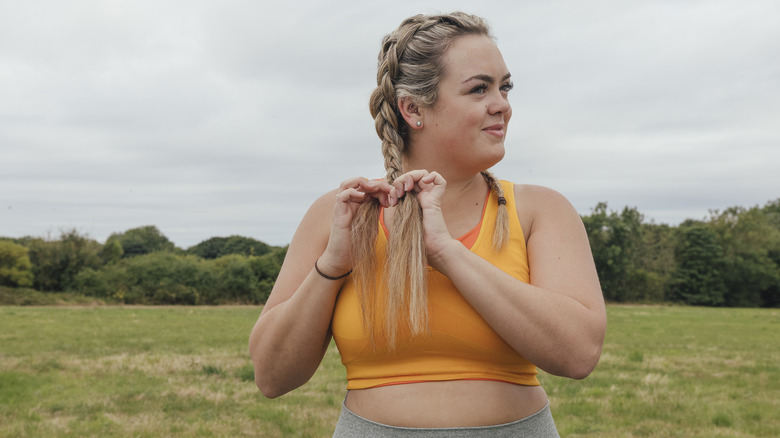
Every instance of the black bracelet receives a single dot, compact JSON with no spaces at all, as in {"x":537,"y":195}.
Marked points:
{"x":317,"y":268}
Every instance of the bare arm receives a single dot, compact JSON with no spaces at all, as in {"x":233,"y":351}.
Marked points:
{"x":293,"y":331}
{"x":290,"y":337}
{"x":558,"y":321}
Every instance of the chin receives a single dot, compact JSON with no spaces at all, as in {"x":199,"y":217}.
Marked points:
{"x":483,"y":165}
{"x":495,"y":157}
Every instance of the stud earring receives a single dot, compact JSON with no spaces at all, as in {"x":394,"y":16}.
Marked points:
{"x":419,"y":123}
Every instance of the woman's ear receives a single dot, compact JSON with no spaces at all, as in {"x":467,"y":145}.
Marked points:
{"x":410,"y":112}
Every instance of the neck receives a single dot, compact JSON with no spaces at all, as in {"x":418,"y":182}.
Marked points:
{"x":459,"y":190}
{"x":461,"y":186}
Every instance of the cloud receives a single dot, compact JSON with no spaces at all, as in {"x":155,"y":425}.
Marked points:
{"x":216,"y":118}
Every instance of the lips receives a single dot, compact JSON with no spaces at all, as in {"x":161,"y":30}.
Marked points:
{"x":496,"y":130}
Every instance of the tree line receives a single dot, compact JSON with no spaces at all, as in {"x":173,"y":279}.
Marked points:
{"x":731,"y":258}
{"x":141,"y":266}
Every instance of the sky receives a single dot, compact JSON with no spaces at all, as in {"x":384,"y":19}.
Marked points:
{"x":215,"y":118}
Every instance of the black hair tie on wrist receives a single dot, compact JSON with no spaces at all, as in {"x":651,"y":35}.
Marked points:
{"x":317,"y":268}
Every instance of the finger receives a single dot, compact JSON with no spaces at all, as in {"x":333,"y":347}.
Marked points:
{"x":381,"y":190}
{"x":350,"y":195}
{"x":375,"y":186}
{"x":398,"y":185}
{"x":352,"y":183}
{"x":384,"y":199}
{"x":413,"y":176}
{"x":431,"y":182}
{"x":392,"y":197}
{"x":406,"y":182}
{"x":433,"y":178}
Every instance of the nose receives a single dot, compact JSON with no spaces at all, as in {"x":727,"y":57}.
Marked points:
{"x":499,"y":104}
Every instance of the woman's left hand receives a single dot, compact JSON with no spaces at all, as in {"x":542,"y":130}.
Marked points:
{"x":429,"y":188}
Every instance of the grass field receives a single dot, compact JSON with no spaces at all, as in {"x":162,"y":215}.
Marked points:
{"x":184,"y":371}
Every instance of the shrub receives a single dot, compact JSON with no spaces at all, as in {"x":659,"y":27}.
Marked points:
{"x":15,"y":266}
{"x":217,"y":247}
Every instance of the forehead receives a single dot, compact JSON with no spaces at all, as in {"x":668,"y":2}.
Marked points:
{"x":472,"y":55}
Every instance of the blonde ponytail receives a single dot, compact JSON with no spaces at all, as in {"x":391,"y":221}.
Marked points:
{"x":501,"y":233}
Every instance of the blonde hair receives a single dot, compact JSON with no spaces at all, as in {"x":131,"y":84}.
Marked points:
{"x":410,"y":66}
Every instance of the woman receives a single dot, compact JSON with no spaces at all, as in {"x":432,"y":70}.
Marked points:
{"x":443,"y":288}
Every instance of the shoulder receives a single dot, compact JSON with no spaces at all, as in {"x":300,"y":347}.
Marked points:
{"x":541,"y":207}
{"x":308,"y":243}
{"x":324,"y":203}
{"x":316,"y":222}
{"x":313,"y":231}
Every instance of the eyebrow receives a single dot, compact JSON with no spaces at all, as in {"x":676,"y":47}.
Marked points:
{"x":487,"y":78}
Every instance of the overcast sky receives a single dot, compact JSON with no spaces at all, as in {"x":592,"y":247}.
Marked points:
{"x":214,"y":118}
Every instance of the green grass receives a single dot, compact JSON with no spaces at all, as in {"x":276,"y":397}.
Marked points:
{"x":184,"y":371}
{"x":678,"y":372}
{"x":147,"y":371}
{"x":22,"y":296}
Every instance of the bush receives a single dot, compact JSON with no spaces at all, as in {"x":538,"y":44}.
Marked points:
{"x":162,"y":278}
{"x":232,"y":280}
{"x":56,"y":263}
{"x":698,"y":279}
{"x":15,"y":266}
{"x":217,"y":247}
{"x":168,"y":278}
{"x":156,"y":278}
{"x":141,"y":240}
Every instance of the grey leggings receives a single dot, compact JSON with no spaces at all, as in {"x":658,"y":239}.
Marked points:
{"x":538,"y":425}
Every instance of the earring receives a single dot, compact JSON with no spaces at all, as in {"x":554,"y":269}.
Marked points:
{"x":419,"y":123}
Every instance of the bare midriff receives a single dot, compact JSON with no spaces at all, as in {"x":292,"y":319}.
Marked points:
{"x":457,"y":403}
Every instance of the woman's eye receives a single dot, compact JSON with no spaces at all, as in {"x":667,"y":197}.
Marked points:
{"x":479,"y":89}
{"x":507,"y":87}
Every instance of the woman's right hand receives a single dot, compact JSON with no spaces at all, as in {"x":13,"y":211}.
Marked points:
{"x":336,"y":260}
{"x":293,"y":330}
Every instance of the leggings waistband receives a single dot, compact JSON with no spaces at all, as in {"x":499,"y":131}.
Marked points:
{"x":538,"y":425}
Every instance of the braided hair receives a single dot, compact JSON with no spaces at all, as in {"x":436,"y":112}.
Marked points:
{"x":410,"y":66}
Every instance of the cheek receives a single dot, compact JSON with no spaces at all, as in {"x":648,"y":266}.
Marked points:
{"x":473,"y":119}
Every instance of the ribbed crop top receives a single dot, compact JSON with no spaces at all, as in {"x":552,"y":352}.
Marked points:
{"x":461,"y":346}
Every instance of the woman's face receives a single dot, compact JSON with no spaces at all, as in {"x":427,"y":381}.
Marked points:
{"x":468,"y":123}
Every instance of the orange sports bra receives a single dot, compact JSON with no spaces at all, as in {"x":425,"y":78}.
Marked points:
{"x":461,"y":345}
